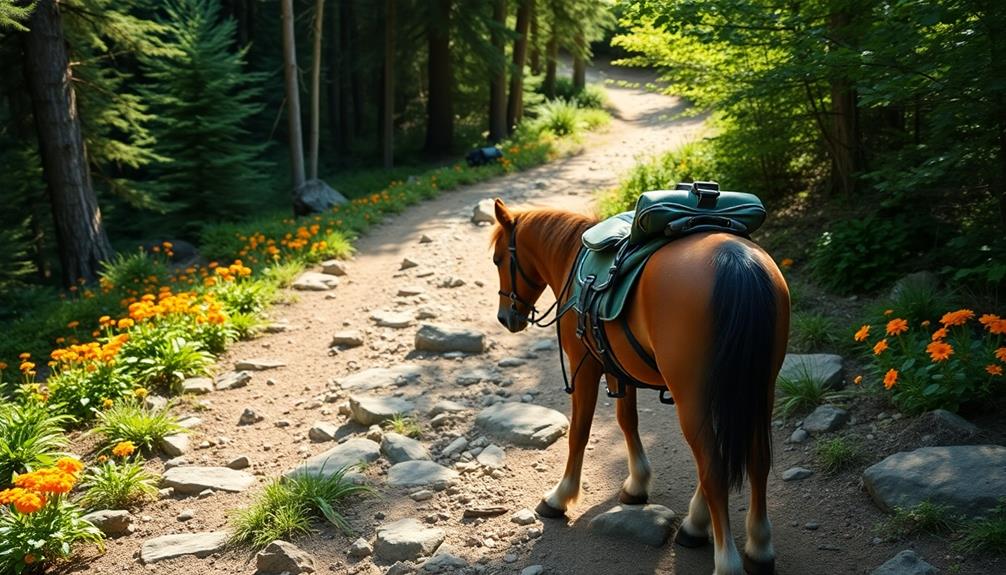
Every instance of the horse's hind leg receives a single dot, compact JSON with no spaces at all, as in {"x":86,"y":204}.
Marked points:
{"x":635,"y":489}
{"x":759,"y":554}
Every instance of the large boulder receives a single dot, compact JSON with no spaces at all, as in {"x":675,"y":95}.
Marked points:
{"x":823,"y":368}
{"x":443,"y":339}
{"x":523,"y":424}
{"x":969,"y":479}
{"x":406,"y":540}
{"x":315,"y":197}
{"x":650,"y":524}
{"x":342,"y":456}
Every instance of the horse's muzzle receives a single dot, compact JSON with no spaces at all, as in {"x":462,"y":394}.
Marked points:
{"x":511,"y":320}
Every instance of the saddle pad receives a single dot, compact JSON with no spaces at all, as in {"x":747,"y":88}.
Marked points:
{"x":614,"y":285}
{"x":606,"y":233}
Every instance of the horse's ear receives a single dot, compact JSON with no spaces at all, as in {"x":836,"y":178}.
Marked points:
{"x":503,"y":215}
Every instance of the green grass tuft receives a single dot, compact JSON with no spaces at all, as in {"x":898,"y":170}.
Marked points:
{"x":926,"y":517}
{"x":838,"y":454}
{"x":31,"y":436}
{"x":812,"y":333}
{"x":113,"y":485}
{"x":803,"y":393}
{"x":404,"y":425}
{"x":129,"y":421}
{"x":986,"y":535}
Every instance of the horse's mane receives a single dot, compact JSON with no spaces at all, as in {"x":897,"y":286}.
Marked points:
{"x":557,"y":227}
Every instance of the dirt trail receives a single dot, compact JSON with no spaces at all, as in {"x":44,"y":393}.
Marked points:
{"x":644,"y":125}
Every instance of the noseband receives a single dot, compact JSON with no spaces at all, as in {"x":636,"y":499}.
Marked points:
{"x":532,"y":317}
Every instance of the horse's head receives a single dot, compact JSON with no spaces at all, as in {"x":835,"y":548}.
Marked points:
{"x":520,"y":282}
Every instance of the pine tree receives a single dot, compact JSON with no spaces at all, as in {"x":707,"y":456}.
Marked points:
{"x":202,"y":97}
{"x":13,"y":16}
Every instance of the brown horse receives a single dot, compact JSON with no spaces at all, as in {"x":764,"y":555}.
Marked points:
{"x":713,"y":310}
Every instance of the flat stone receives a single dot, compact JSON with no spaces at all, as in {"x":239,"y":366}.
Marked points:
{"x":410,"y":291}
{"x":280,"y":557}
{"x":360,"y":548}
{"x":354,"y":451}
{"x":399,"y":568}
{"x":825,"y":418}
{"x":406,"y":540}
{"x":969,"y":479}
{"x":114,"y":523}
{"x":232,"y":380}
{"x":422,"y":495}
{"x":197,"y":385}
{"x":511,"y":362}
{"x":155,"y":402}
{"x":543,"y":345}
{"x":258,"y":364}
{"x":473,"y":376}
{"x":175,"y":445}
{"x":398,"y":448}
{"x":381,"y":377}
{"x":171,"y":546}
{"x":796,"y":474}
{"x":484,"y":212}
{"x":314,"y":281}
{"x":445,"y":406}
{"x":492,"y":456}
{"x":419,"y":474}
{"x":190,"y":422}
{"x":649,"y":524}
{"x":348,"y":339}
{"x":533,"y":570}
{"x":368,"y":410}
{"x":392,"y":319}
{"x":905,"y":563}
{"x":523,"y":424}
{"x":442,"y":339}
{"x":456,"y":446}
{"x":323,"y":431}
{"x":240,"y":462}
{"x":193,"y":480}
{"x":824,"y":368}
{"x":523,"y":517}
{"x":333,"y":268}
{"x":443,"y":561}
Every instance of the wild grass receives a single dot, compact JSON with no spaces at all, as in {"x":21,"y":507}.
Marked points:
{"x":404,"y":425}
{"x":926,"y":517}
{"x":803,"y":393}
{"x":129,"y":421}
{"x":812,"y":333}
{"x":118,"y":485}
{"x":31,"y":436}
{"x":837,"y":454}
{"x":916,"y":299}
{"x":988,"y":534}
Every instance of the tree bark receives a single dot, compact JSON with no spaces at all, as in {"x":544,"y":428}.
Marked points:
{"x":497,"y":82}
{"x":356,"y":81}
{"x":844,"y":127}
{"x":334,"y":86}
{"x":388,"y":109}
{"x":439,"y":105}
{"x":80,"y":234}
{"x":535,"y":50}
{"x":292,"y":95}
{"x":315,"y":133}
{"x":551,"y":65}
{"x":345,"y":75}
{"x":580,"y":64}
{"x":515,"y":105}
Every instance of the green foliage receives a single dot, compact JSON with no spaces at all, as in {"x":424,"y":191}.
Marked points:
{"x":860,"y":255}
{"x":812,"y":333}
{"x":31,"y":436}
{"x":14,"y":14}
{"x":916,"y":298}
{"x":130,"y":421}
{"x":687,"y":163}
{"x":133,"y":271}
{"x":112,"y":485}
{"x":592,"y":96}
{"x":838,"y":454}
{"x":160,"y":356}
{"x":926,"y":517}
{"x":287,"y":507}
{"x":987,"y":534}
{"x":404,"y":425}
{"x":803,"y":393}
{"x":80,"y":392}
{"x":42,"y":537}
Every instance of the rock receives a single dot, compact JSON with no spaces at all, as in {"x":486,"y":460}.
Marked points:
{"x":425,"y":239}
{"x":399,"y":568}
{"x":969,"y":479}
{"x":193,"y":480}
{"x":360,"y":549}
{"x":333,"y":268}
{"x":249,"y":417}
{"x":406,"y":540}
{"x":799,"y":436}
{"x":456,"y":446}
{"x":918,"y":281}
{"x":114,"y":523}
{"x":175,"y":445}
{"x":315,"y":197}
{"x":511,"y":362}
{"x":398,"y":448}
{"x":443,"y":560}
{"x":314,"y":281}
{"x":155,"y":402}
{"x":392,"y":319}
{"x":368,"y":410}
{"x":197,"y":385}
{"x":186,"y":515}
{"x":190,"y":422}
{"x":473,"y":376}
{"x":796,"y":474}
{"x":523,"y":424}
{"x":171,"y":546}
{"x":280,"y":557}
{"x":175,"y":462}
{"x":410,"y":291}
{"x":323,"y":431}
{"x":407,"y":264}
{"x":484,"y":212}
{"x":523,"y":517}
{"x":441,"y":339}
{"x":258,"y":364}
{"x":419,"y":474}
{"x":650,"y":524}
{"x":905,"y":563}
{"x":824,"y":368}
{"x":492,"y":456}
{"x":352,"y":452}
{"x":445,"y":406}
{"x":944,"y":419}
{"x":381,"y":377}
{"x":533,"y":570}
{"x":232,"y":380}
{"x":422,"y":495}
{"x":374,"y":432}
{"x":544,"y":345}
{"x":825,"y":418}
{"x":347,"y":339}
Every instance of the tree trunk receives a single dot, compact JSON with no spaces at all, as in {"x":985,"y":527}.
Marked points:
{"x":439,"y":105}
{"x":80,"y":235}
{"x":388,"y":109}
{"x":515,"y":106}
{"x":497,"y":82}
{"x":292,"y":95}
{"x":315,"y":133}
{"x":551,"y":64}
{"x":844,"y":128}
{"x":345,"y":75}
{"x":334,"y":86}
{"x":356,"y":81}
{"x":580,"y":64}
{"x":535,"y":55}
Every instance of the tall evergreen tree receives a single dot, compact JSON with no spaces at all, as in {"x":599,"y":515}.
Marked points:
{"x":203,"y":97}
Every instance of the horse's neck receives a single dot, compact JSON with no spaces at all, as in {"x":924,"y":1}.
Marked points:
{"x":554,"y":256}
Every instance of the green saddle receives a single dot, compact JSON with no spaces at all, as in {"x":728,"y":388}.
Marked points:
{"x":616,"y":249}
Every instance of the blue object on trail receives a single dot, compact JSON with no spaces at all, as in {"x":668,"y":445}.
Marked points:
{"x":483,"y":156}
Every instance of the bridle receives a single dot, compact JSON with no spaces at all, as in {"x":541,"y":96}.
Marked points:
{"x":533,"y":317}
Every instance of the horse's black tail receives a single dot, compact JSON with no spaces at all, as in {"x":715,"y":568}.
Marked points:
{"x":739,"y":377}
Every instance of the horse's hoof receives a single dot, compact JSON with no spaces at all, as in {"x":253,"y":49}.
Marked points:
{"x":686,"y":539}
{"x":629,"y":499}
{"x":753,"y":567}
{"x":547,"y":511}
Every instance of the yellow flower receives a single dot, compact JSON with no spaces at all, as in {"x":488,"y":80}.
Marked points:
{"x":858,"y":380}
{"x":939,"y":351}
{"x":994,"y":369}
{"x":24,"y":356}
{"x":880,"y":348}
{"x":890,"y":378}
{"x":26,"y":366}
{"x":106,"y":403}
{"x":123,"y":449}
{"x":897,"y":326}
{"x":863,"y":333}
{"x":140,"y":393}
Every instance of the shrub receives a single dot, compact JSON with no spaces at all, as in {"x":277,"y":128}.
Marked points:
{"x":160,"y":356}
{"x":591,"y":96}
{"x":558,"y":117}
{"x":917,"y":298}
{"x":837,"y":454}
{"x":287,"y":507}
{"x":134,"y":270}
{"x":129,"y":421}
{"x":31,"y":436}
{"x":861,"y":254}
{"x":925,"y":367}
{"x":118,"y":485}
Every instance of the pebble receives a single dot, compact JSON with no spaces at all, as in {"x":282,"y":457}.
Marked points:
{"x":185,"y":515}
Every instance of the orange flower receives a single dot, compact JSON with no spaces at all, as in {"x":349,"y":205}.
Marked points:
{"x":3,"y":366}
{"x":786,"y":263}
{"x":863,"y":333}
{"x":858,"y":380}
{"x":897,"y":326}
{"x":1001,"y":354}
{"x":24,"y":356}
{"x":939,"y":334}
{"x":106,"y":403}
{"x":48,"y":480}
{"x":939,"y":350}
{"x":880,"y":348}
{"x":994,"y":369}
{"x":123,"y":449}
{"x":69,"y":465}
{"x":998,"y":327}
{"x":988,"y":318}
{"x":888,"y":311}
{"x":23,"y":500}
{"x":959,"y":317}
{"x":125,"y":323}
{"x":26,"y":366}
{"x":29,"y":559}
{"x":890,"y":378}
{"x":73,"y":324}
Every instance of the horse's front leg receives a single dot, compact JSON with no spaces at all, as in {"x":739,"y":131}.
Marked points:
{"x":585,"y":384}
{"x":636,"y":488}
